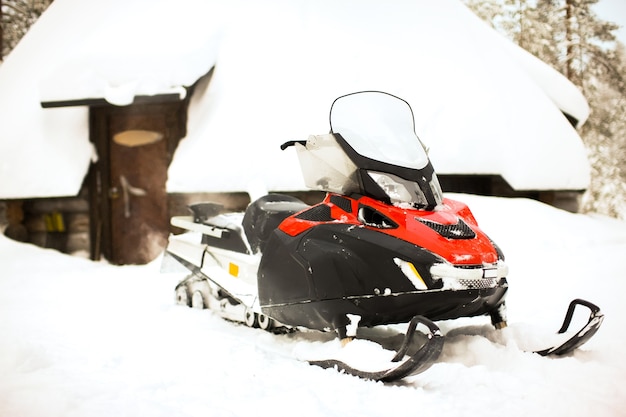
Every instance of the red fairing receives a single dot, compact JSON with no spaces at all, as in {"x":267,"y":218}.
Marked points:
{"x":470,"y":251}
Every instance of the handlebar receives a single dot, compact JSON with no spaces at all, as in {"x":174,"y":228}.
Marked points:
{"x":292,"y":143}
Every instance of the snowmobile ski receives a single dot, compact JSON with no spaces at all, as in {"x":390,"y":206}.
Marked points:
{"x":580,"y":337}
{"x":417,"y":362}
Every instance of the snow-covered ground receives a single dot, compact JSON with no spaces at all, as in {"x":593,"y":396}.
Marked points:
{"x":79,"y":338}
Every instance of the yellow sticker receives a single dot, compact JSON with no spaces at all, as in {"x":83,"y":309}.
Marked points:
{"x":417,"y":274}
{"x":233,"y":269}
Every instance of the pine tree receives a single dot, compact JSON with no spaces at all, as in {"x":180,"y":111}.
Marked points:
{"x":488,"y":10}
{"x":16,"y":17}
{"x":595,"y":65}
{"x":605,"y":137}
{"x":587,"y":37}
{"x":549,"y":45}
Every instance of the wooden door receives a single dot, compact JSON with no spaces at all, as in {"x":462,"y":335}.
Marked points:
{"x":129,"y":205}
{"x":138,"y":199}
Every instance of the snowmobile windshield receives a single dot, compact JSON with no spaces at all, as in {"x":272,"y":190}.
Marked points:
{"x":376,"y":132}
{"x":379,"y":126}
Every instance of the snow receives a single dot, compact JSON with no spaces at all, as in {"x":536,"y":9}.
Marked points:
{"x":90,"y":72}
{"x":270,"y":88}
{"x":481,"y":106}
{"x":83,"y":338}
{"x":87,"y":49}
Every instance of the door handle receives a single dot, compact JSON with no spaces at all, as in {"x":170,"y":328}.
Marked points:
{"x":127,"y":191}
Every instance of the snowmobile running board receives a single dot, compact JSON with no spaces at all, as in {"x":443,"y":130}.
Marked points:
{"x":416,"y":363}
{"x":583,"y":335}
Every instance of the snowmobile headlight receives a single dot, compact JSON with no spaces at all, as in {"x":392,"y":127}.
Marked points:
{"x":396,"y":191}
{"x":399,"y":190}
{"x":411,"y":273}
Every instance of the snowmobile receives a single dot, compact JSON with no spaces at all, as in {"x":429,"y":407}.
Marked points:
{"x":383,"y":247}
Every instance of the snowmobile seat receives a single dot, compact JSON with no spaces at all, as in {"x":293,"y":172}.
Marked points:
{"x":265,"y":214}
{"x":227,"y":226}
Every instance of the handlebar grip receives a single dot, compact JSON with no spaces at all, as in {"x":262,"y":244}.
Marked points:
{"x":291,"y":143}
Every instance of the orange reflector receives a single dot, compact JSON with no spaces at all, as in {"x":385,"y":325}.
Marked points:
{"x":233,"y":269}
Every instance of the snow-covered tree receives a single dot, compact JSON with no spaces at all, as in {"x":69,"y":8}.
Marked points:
{"x":605,"y":136}
{"x":16,"y":17}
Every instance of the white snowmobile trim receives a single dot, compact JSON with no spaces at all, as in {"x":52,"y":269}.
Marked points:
{"x":234,"y":272}
{"x":454,"y":275}
{"x":214,"y":226}
{"x":244,"y":292}
{"x":186,"y":222}
{"x":187,"y":246}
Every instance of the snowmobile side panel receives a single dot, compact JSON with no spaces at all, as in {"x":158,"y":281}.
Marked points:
{"x":317,"y":278}
{"x":228,"y":240}
{"x":339,"y":261}
{"x":387,"y":308}
{"x":187,"y":248}
{"x":220,"y":231}
{"x":451,"y":232}
{"x":265,"y":214}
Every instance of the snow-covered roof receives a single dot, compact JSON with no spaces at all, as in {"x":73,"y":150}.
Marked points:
{"x":482,"y":105}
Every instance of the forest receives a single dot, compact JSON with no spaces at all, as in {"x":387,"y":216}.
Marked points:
{"x":566,"y":34}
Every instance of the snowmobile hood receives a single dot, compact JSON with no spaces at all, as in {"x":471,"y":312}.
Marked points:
{"x":451,"y":232}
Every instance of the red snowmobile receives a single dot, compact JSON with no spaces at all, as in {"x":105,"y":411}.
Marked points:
{"x":383,"y":247}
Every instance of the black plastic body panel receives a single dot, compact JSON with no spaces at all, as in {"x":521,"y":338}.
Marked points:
{"x":316,"y":278}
